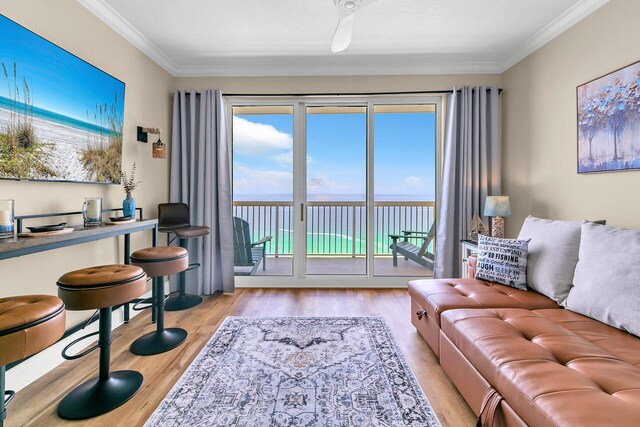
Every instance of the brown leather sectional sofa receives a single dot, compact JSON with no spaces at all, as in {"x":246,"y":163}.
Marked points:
{"x":519,"y":359}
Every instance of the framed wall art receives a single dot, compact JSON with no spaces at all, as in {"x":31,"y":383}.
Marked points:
{"x":61,"y":118}
{"x":609,"y":122}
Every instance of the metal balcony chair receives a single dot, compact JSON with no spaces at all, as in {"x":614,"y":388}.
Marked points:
{"x":174,"y":218}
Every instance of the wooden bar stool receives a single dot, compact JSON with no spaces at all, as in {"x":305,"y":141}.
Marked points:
{"x":100,"y":288}
{"x":28,"y":325}
{"x":175,"y":218}
{"x":159,"y":262}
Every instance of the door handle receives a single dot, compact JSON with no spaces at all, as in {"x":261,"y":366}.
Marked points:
{"x":301,"y":211}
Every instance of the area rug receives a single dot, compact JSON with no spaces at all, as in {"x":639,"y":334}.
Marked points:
{"x":297,"y":371}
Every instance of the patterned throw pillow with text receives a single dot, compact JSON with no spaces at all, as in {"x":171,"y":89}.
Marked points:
{"x":503,"y":261}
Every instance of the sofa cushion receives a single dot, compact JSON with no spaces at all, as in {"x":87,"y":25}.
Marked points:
{"x":607,"y":277}
{"x":502,"y":261}
{"x":554,"y":367}
{"x":553,"y":255}
{"x":439,"y":295}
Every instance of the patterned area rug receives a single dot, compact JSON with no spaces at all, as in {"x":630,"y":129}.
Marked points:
{"x":297,"y":371}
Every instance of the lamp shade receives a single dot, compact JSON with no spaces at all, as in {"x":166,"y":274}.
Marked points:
{"x":497,"y":206}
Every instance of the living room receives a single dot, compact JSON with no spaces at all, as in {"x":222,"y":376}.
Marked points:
{"x":313,"y":256}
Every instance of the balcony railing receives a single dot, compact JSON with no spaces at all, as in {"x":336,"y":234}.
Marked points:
{"x":334,"y":228}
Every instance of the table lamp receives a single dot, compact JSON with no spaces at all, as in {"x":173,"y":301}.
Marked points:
{"x":497,"y":207}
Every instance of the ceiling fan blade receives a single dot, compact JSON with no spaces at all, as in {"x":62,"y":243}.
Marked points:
{"x":342,"y":36}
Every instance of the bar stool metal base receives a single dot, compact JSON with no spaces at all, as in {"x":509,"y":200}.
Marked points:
{"x":157,"y":342}
{"x":182,"y":302}
{"x":96,"y":397}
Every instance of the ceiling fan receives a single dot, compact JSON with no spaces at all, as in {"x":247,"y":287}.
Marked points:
{"x":347,"y":8}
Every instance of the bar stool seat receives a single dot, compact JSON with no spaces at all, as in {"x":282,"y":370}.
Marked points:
{"x":101,"y":287}
{"x":28,"y":325}
{"x":186,"y":231}
{"x":161,"y":260}
{"x":158,"y":262}
{"x":175,"y":218}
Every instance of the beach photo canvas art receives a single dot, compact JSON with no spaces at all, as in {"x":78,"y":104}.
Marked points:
{"x":60,"y":117}
{"x":609,"y":122}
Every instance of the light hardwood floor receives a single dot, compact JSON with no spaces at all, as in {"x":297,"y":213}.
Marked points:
{"x":36,"y":404}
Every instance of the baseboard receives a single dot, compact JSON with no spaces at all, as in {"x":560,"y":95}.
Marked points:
{"x":328,"y":282}
{"x":316,"y":285}
{"x":38,"y":365}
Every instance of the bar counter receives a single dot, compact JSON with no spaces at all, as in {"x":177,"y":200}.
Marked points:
{"x":19,"y":246}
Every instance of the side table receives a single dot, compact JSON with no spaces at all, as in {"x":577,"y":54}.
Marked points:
{"x":468,"y":248}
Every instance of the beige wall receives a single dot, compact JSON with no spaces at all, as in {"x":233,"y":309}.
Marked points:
{"x":335,"y":84}
{"x":540,"y":123}
{"x":147,"y":103}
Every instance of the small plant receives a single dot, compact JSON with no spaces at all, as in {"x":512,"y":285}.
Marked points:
{"x":129,"y":183}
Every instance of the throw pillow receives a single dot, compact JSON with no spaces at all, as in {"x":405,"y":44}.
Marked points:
{"x":553,"y":255}
{"x":502,"y":261}
{"x":605,"y":285}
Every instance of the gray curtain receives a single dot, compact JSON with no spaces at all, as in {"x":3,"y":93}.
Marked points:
{"x":200,"y":177}
{"x":471,"y":169}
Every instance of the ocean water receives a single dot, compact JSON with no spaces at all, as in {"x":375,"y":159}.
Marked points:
{"x":50,"y":116}
{"x":335,"y":243}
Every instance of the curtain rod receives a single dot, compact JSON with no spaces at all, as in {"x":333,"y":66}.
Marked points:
{"x":421,"y":92}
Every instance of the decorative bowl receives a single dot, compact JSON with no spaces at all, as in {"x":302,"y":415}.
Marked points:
{"x":45,"y":228}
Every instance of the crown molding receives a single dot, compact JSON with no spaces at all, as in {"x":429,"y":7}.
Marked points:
{"x":327,"y":65}
{"x":121,"y":26}
{"x":575,"y":14}
{"x":324,"y":66}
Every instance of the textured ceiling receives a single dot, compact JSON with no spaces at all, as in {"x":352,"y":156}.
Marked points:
{"x":234,"y":33}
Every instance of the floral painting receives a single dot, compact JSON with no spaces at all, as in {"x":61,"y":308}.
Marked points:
{"x":609,"y":122}
{"x":60,"y":117}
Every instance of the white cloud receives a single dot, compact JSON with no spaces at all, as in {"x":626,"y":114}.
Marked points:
{"x":261,"y":181}
{"x":413,"y":182}
{"x":258,"y":140}
{"x":286,"y":157}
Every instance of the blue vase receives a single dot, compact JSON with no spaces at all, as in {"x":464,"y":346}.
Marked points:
{"x":129,"y":206}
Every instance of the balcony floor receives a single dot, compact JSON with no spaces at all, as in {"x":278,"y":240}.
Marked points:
{"x":329,"y":265}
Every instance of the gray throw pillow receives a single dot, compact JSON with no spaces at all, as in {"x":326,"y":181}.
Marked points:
{"x":606,"y":284}
{"x":502,"y":261}
{"x":553,"y":255}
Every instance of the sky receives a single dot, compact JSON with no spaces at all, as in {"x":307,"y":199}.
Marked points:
{"x":59,"y":81}
{"x":404,"y":156}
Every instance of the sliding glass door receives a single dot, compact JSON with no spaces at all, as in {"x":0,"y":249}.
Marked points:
{"x":334,"y":187}
{"x":404,"y":188}
{"x":336,"y":190}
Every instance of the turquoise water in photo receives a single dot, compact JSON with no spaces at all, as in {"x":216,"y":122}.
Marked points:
{"x":50,"y":116}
